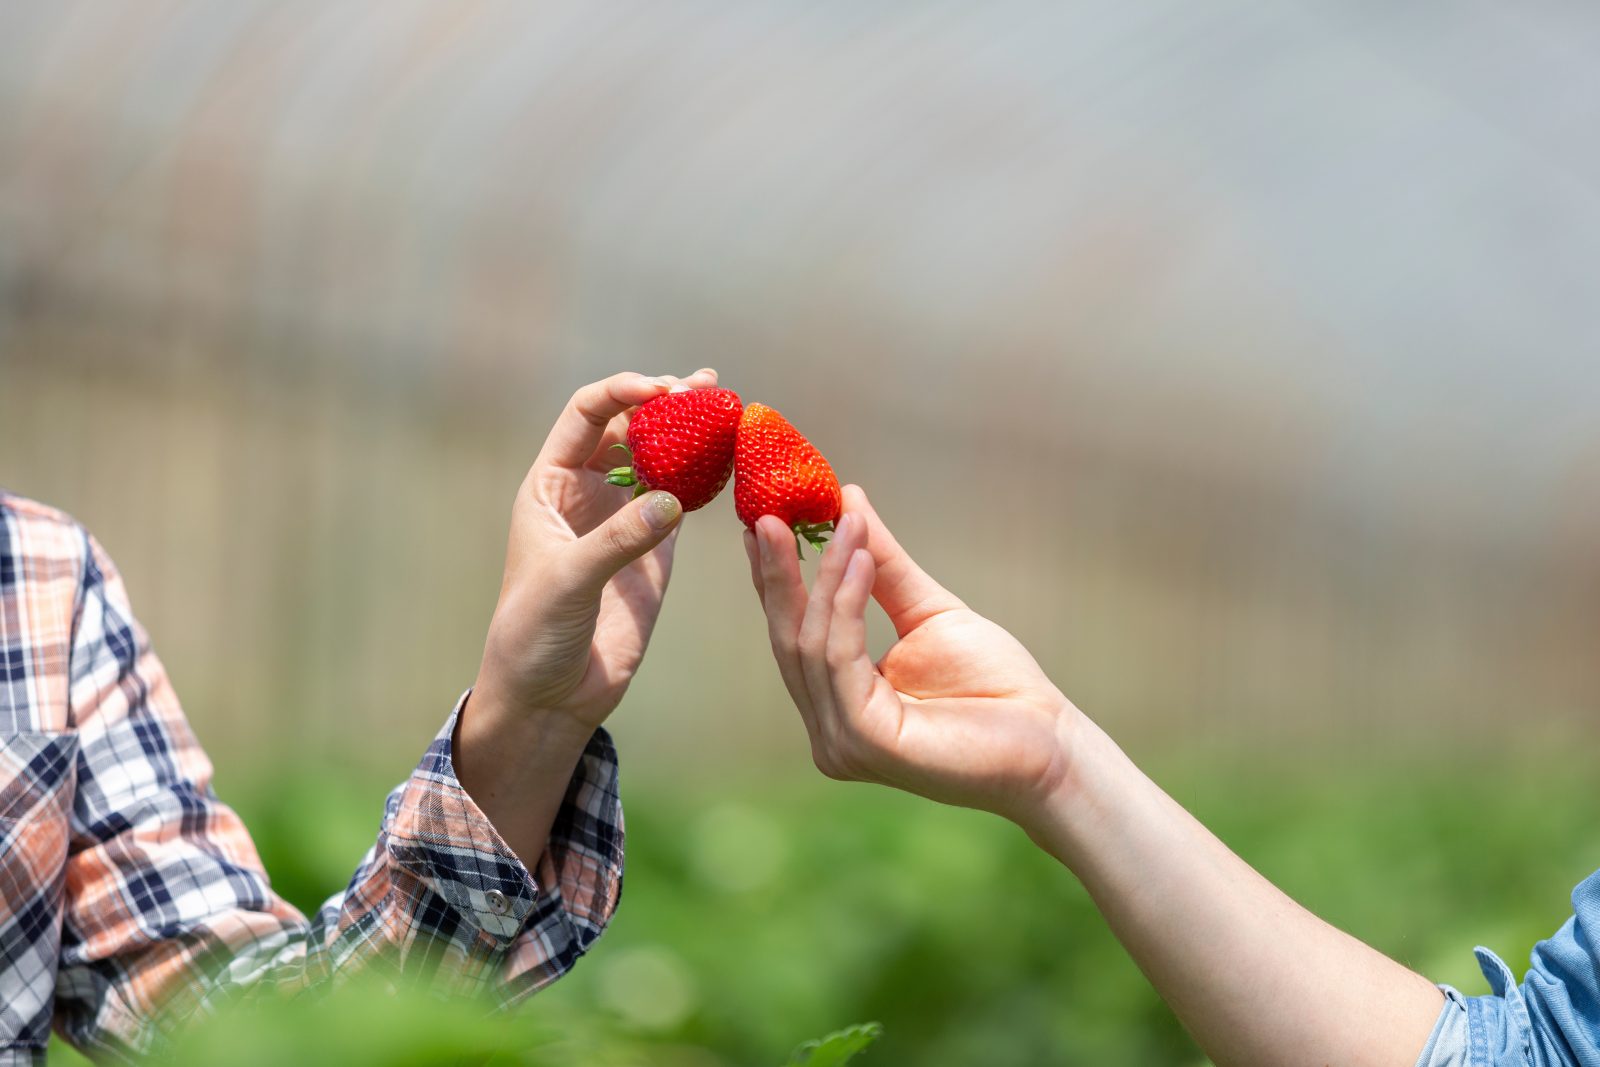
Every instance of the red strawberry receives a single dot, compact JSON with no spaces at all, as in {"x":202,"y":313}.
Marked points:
{"x":778,"y":472}
{"x":683,"y":443}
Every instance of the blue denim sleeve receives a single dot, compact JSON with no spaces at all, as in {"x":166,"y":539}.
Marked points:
{"x":1551,"y":1020}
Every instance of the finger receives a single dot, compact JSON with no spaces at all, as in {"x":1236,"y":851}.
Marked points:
{"x":907,"y":594}
{"x":785,"y":605}
{"x":582,"y":424}
{"x":700,"y":379}
{"x":655,"y":566}
{"x":676,"y":384}
{"x":604,"y":458}
{"x":616,"y":432}
{"x":632,"y":531}
{"x":848,"y":535}
{"x":640,"y":587}
{"x":850,"y":670}
{"x":753,"y":552}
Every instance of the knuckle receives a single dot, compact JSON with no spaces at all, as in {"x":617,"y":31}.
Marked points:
{"x":840,"y":748}
{"x":616,"y":538}
{"x":858,"y":748}
{"x":847,"y":760}
{"x":824,"y":759}
{"x":583,"y":406}
{"x":812,"y":644}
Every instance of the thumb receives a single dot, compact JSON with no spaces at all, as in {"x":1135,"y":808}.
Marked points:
{"x":906,"y":592}
{"x":633,"y":530}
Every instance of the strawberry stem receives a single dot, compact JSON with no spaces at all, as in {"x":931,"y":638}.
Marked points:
{"x":814,"y":532}
{"x":623,"y":475}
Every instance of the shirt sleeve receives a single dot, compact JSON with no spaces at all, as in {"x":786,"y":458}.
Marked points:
{"x":1552,"y":1019}
{"x":168,"y":910}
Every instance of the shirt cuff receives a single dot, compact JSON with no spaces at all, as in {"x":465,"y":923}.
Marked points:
{"x":1480,"y":1031}
{"x":438,"y":833}
{"x":1448,"y":1045}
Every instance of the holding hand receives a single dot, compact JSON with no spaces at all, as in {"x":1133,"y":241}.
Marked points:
{"x":586,"y":570}
{"x":957,"y":710}
{"x":586,"y":566}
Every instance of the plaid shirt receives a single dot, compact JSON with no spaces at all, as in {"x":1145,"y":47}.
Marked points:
{"x":131,"y":897}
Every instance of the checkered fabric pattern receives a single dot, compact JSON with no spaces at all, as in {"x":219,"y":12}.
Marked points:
{"x":132,"y":898}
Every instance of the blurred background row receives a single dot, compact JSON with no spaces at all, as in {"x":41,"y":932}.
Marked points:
{"x":1242,"y":358}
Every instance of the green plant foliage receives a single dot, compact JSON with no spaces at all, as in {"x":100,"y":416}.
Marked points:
{"x":837,"y":1048}
{"x":756,"y":914}
{"x":364,"y":1023}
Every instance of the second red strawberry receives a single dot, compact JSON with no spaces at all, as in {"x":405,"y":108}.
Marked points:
{"x":778,"y":472}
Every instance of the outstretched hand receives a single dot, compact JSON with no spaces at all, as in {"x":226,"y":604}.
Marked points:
{"x":957,"y":710}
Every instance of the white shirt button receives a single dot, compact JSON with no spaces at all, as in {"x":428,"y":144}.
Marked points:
{"x":497,"y":902}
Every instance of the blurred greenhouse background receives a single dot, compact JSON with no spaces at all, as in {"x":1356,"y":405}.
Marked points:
{"x":1243,"y":358}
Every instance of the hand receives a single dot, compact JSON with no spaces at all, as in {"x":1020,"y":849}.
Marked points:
{"x":956,"y":710}
{"x":586,"y":569}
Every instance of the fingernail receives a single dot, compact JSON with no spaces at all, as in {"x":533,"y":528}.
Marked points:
{"x":662,"y":510}
{"x":766,"y":549}
{"x":679,"y":387}
{"x":844,"y":525}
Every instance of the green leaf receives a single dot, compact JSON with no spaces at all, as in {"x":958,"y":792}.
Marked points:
{"x":837,"y":1048}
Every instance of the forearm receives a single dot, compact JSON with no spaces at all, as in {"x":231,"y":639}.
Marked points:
{"x":1255,"y":978}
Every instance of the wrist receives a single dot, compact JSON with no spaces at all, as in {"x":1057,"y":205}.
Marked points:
{"x":1079,"y":807}
{"x":495,"y":723}
{"x":516,"y":766}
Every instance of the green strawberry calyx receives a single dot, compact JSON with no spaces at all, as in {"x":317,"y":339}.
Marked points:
{"x":816,"y":533}
{"x":625,"y":476}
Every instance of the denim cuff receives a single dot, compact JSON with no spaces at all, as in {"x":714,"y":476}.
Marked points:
{"x":1480,"y":1031}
